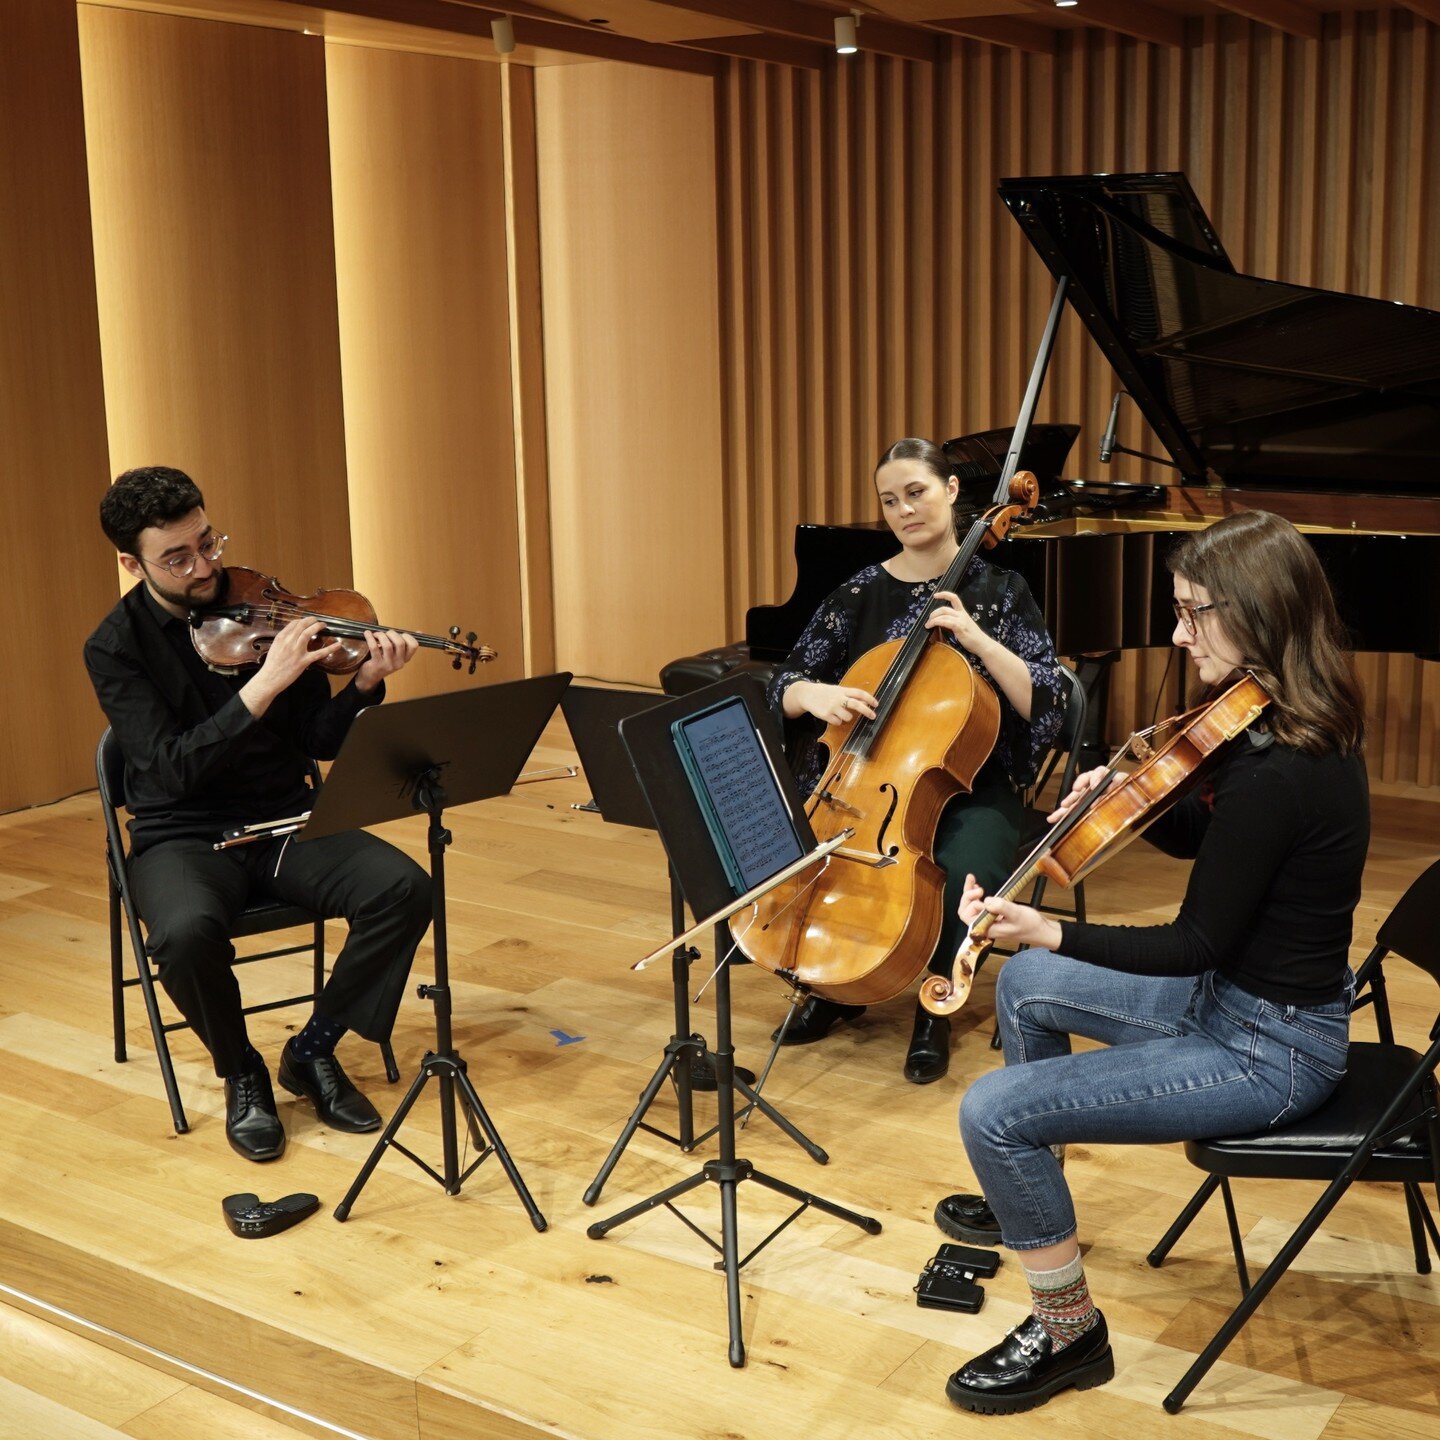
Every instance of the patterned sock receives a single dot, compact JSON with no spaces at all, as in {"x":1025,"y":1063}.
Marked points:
{"x":317,"y":1039}
{"x":1062,"y":1302}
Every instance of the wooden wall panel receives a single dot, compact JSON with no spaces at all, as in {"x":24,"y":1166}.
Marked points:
{"x":419,"y":201}
{"x":628,"y":230}
{"x":1319,"y":160}
{"x":215,"y":272}
{"x":59,"y":574}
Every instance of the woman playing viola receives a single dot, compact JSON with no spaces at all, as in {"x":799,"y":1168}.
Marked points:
{"x":995,"y":622}
{"x":1232,"y":1018}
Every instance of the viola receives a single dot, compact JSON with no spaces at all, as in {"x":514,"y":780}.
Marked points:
{"x":861,"y":933}
{"x":1112,"y":814}
{"x":238,"y":631}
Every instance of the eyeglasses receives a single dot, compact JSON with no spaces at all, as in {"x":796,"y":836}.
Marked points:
{"x":1189,"y":614}
{"x":210,"y":549}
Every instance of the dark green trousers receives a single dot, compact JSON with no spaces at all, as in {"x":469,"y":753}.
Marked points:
{"x":979,"y":835}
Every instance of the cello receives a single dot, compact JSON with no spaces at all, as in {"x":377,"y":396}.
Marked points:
{"x":858,"y":934}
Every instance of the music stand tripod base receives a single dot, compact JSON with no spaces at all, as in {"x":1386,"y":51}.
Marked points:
{"x":727,"y":1172}
{"x":386,"y":770}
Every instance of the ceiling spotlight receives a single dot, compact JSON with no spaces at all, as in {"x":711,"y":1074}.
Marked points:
{"x":845,"y":40}
{"x":502,"y":32}
{"x":1065,"y":4}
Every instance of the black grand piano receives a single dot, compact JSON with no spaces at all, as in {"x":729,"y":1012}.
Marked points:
{"x":1323,"y":407}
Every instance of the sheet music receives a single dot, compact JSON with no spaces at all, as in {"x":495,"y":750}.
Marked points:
{"x":743,"y":790}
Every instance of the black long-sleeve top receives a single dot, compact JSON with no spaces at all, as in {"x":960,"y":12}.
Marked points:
{"x":1279,"y":840}
{"x":197,"y":762}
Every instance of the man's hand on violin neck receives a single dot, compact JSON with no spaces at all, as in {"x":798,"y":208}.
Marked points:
{"x":287,"y":659}
{"x":389,"y":651}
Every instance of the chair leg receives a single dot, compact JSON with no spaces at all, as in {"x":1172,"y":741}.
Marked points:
{"x":1420,"y":1218}
{"x":1194,"y":1206}
{"x":1080,"y":902}
{"x":1235,"y":1243}
{"x":117,"y":977}
{"x":319,"y":957}
{"x":392,"y":1070}
{"x":157,"y":1029}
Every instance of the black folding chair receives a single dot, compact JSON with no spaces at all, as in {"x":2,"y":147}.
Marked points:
{"x":260,"y":918}
{"x":1380,"y":1124}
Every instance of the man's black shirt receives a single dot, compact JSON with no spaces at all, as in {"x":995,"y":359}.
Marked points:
{"x":197,"y":762}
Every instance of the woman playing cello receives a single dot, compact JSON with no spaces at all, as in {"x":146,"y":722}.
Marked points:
{"x":1232,"y":1018}
{"x":995,"y":622}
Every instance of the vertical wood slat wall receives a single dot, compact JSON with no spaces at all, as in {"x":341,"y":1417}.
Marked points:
{"x":873,"y":285}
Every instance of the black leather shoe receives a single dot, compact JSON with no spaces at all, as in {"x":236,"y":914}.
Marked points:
{"x":1023,"y":1371}
{"x":816,"y":1019}
{"x":337,"y":1102}
{"x":251,"y":1124}
{"x":929,"y":1055}
{"x":969,"y":1219}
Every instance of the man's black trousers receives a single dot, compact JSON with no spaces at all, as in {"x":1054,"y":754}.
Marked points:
{"x":190,"y":896}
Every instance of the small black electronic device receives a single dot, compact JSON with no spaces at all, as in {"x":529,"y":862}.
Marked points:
{"x":253,"y":1219}
{"x":971,"y":1258}
{"x":948,"y":1280}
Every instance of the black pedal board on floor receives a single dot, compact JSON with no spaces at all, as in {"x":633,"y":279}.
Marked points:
{"x":253,"y":1219}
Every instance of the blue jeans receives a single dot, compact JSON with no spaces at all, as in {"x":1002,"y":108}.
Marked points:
{"x":1188,"y":1058}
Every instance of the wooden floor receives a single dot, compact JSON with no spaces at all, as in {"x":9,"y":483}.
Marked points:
{"x":446,"y":1317}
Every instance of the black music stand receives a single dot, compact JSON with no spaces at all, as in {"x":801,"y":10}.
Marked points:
{"x":702,"y":878}
{"x":424,"y":755}
{"x":594,"y":715}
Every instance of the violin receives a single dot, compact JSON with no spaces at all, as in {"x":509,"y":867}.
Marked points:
{"x":1112,"y":814}
{"x":237,"y":632}
{"x":861,"y":933}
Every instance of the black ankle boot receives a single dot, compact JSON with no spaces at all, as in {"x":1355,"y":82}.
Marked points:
{"x":929,"y":1055}
{"x":816,"y":1019}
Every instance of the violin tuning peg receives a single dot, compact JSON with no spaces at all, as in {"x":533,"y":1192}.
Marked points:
{"x":470,"y":638}
{"x":455,"y":663}
{"x":472,"y":664}
{"x":454,"y":632}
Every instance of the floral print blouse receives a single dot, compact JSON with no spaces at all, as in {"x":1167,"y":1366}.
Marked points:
{"x":872,"y":607}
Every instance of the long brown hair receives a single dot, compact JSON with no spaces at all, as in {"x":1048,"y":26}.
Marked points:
{"x":1278,"y":610}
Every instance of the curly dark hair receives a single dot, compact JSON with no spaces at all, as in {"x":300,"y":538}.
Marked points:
{"x":150,"y":495}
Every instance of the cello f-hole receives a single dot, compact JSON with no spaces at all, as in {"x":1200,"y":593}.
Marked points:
{"x":894,"y":794}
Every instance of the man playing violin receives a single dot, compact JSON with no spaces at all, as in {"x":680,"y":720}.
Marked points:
{"x":206,"y":752}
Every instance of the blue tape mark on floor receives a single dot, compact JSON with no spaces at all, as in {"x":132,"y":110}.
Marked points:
{"x":561,"y":1038}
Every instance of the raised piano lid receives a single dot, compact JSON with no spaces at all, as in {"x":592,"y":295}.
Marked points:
{"x":1247,"y":382}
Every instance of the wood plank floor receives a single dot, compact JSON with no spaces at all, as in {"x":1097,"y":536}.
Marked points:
{"x":444,"y":1317}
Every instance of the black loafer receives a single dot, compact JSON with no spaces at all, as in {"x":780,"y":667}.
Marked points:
{"x":815,"y":1021}
{"x":1023,"y":1371}
{"x":337,"y":1102}
{"x":969,"y":1219}
{"x":252,"y":1125}
{"x":929,"y":1055}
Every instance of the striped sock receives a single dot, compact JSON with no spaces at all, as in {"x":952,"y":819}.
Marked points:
{"x":1062,"y":1302}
